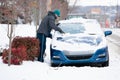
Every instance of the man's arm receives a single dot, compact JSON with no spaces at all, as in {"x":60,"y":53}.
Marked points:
{"x":53,"y":26}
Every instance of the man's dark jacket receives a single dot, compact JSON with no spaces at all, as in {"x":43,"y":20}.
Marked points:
{"x":47,"y":24}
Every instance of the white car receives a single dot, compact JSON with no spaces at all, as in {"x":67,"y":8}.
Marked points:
{"x":83,"y":43}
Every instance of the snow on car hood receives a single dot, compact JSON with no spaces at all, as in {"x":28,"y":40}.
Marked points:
{"x":77,"y":42}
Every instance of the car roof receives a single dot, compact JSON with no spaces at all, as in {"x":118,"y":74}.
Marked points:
{"x":79,"y":20}
{"x":73,"y":20}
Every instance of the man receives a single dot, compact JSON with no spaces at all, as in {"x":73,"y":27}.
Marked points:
{"x":47,"y":24}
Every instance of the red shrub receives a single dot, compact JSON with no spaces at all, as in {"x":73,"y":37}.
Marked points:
{"x":23,"y":48}
{"x":15,"y":57}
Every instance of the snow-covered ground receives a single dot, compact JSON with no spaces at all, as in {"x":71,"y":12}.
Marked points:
{"x":116,"y":31}
{"x":34,"y":70}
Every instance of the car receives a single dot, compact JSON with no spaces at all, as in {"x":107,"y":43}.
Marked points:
{"x":84,"y":42}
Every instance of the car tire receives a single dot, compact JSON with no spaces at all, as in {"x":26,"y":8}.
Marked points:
{"x":53,"y":65}
{"x":105,"y":64}
{"x":56,"y":65}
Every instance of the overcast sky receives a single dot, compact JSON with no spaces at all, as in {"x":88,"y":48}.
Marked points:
{"x":95,"y":2}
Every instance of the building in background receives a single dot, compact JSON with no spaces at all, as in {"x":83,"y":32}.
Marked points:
{"x":105,"y":15}
{"x":102,"y":17}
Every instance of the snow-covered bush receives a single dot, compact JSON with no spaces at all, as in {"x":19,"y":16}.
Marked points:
{"x":23,"y":48}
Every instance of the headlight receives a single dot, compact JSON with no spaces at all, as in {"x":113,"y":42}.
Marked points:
{"x":101,"y":55}
{"x":56,"y":57}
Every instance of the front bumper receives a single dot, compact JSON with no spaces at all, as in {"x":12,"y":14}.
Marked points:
{"x":100,"y":56}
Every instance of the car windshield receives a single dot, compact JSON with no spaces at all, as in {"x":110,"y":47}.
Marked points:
{"x":72,"y":28}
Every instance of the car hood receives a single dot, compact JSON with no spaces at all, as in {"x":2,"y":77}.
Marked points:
{"x":77,"y":42}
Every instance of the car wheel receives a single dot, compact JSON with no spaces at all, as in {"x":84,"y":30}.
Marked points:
{"x":105,"y":64}
{"x":56,"y":65}
{"x":53,"y":65}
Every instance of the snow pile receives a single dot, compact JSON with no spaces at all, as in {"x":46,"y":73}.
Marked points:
{"x":116,"y":31}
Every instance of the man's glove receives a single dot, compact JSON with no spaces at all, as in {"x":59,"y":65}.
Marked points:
{"x":50,"y":36}
{"x":57,"y":24}
{"x":62,"y":32}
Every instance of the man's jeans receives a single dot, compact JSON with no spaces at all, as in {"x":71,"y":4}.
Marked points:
{"x":42,"y":39}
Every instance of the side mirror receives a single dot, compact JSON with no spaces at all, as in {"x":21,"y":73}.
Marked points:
{"x":106,"y":33}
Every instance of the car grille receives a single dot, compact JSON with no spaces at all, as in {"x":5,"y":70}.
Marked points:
{"x":77,"y":57}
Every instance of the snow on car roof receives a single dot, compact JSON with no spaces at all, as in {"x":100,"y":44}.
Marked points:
{"x":79,"y":20}
{"x":73,"y":20}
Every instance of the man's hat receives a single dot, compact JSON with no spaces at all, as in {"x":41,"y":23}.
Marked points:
{"x":57,"y":12}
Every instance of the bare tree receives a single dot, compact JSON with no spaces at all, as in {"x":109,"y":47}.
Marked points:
{"x":10,"y":15}
{"x":43,"y":8}
{"x":10,"y":36}
{"x":73,"y":6}
{"x":49,"y":5}
{"x":11,"y":30}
